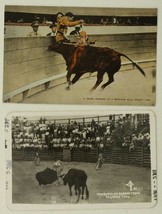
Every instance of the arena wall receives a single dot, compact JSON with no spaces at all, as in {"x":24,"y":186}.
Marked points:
{"x":137,"y":157}
{"x":23,"y":29}
{"x":30,"y":68}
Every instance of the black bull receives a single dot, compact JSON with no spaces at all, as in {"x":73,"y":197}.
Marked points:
{"x":78,"y":179}
{"x":80,"y":60}
{"x":74,"y":177}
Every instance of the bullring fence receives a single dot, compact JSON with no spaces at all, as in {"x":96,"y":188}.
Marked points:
{"x":139,"y":156}
{"x":29,"y":67}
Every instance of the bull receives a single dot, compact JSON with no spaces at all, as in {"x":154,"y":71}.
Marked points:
{"x":80,"y":60}
{"x":78,"y":179}
{"x":47,"y":176}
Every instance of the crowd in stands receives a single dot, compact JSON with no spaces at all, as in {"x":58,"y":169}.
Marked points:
{"x":88,"y":19}
{"x":59,"y":23}
{"x":47,"y":135}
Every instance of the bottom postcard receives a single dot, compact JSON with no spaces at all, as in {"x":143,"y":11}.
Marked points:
{"x":80,"y":159}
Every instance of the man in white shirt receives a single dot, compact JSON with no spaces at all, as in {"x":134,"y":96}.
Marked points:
{"x":34,"y":33}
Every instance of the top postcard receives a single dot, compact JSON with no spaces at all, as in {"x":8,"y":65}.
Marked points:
{"x":80,"y":55}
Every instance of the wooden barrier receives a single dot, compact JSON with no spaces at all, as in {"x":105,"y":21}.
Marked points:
{"x":84,"y":155}
{"x":58,"y":154}
{"x":146,"y":158}
{"x":90,"y":155}
{"x":17,"y":155}
{"x":66,"y":154}
{"x":29,"y":155}
{"x":46,"y":155}
{"x":138,"y":157}
{"x":77,"y":155}
{"x":119,"y":156}
{"x":107,"y":154}
{"x":30,"y":68}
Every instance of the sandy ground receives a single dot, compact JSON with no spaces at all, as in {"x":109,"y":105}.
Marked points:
{"x":105,"y":186}
{"x":129,"y":88}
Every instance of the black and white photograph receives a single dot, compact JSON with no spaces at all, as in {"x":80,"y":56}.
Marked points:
{"x":81,"y":160}
{"x":80,"y":55}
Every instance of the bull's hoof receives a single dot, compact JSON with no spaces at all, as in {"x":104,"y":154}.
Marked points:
{"x":68,"y":88}
{"x":77,"y":201}
{"x":92,"y":90}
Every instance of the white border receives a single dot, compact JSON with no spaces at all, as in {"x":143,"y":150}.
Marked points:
{"x":79,"y":114}
{"x":5,"y":108}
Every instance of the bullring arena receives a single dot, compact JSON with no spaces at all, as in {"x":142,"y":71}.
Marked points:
{"x":126,"y":153}
{"x":111,"y":179}
{"x":32,"y":74}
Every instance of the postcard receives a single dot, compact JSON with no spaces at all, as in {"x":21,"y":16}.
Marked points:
{"x":80,"y":55}
{"x":80,"y":160}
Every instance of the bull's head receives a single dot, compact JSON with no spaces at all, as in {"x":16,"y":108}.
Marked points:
{"x":54,"y":47}
{"x":64,"y":178}
{"x":62,"y":48}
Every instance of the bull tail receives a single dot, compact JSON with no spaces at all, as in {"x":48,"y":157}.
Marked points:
{"x":135,"y":64}
{"x":87,"y":192}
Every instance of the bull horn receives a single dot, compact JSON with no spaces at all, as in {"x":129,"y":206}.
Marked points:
{"x":63,"y":175}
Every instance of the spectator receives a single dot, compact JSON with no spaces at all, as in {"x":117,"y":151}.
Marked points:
{"x":126,"y":142}
{"x":43,"y":135}
{"x":35,"y":27}
{"x":53,"y":29}
{"x":93,"y":123}
{"x":76,"y":31}
{"x":146,"y":141}
{"x":132,"y":146}
{"x":140,"y":139}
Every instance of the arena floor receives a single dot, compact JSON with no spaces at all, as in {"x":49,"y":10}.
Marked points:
{"x":129,"y":87}
{"x":107,"y":185}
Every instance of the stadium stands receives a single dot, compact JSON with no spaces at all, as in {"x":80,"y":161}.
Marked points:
{"x":124,"y":139}
{"x":46,"y":135}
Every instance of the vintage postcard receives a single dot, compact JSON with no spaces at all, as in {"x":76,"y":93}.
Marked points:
{"x":80,"y":55}
{"x":73,"y":160}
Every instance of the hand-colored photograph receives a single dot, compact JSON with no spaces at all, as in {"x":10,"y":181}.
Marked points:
{"x":80,"y":55}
